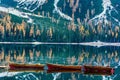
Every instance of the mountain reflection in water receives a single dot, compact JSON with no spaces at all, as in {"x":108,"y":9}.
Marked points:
{"x":59,"y":54}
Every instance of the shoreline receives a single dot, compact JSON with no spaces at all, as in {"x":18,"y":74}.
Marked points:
{"x":97,"y":44}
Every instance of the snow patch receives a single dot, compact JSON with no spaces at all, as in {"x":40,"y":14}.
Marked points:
{"x":59,"y":12}
{"x":18,"y":13}
{"x":30,"y":5}
{"x":107,"y":9}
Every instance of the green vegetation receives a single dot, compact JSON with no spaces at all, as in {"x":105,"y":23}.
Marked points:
{"x":45,"y":29}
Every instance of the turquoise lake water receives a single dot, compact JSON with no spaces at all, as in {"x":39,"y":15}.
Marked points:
{"x":59,"y":54}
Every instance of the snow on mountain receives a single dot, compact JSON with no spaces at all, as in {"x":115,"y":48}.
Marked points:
{"x":107,"y":10}
{"x":18,"y":13}
{"x":56,"y":6}
{"x":30,"y":5}
{"x":59,"y":12}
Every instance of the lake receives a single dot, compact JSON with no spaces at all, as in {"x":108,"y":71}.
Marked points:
{"x":58,"y":54}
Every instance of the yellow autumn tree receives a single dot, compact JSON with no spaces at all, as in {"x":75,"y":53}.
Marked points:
{"x":2,"y":30}
{"x":81,"y":29}
{"x":31,"y":31}
{"x":50,"y":32}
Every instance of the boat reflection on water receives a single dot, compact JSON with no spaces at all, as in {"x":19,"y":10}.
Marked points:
{"x":60,"y":54}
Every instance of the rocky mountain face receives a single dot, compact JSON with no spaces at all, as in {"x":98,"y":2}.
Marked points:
{"x":100,"y":10}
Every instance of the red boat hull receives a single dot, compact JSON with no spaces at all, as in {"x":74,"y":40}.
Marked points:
{"x":90,"y":70}
{"x":26,"y":67}
{"x":61,"y":68}
{"x":53,"y":68}
{"x":98,"y":70}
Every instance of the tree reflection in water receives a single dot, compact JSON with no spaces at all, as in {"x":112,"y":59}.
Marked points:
{"x":61,"y":54}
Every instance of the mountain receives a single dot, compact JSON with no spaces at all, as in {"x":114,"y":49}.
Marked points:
{"x":101,"y":9}
{"x":70,"y":13}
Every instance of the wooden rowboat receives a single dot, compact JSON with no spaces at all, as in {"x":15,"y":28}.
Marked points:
{"x":90,"y":70}
{"x":62,"y":68}
{"x":53,"y":68}
{"x":98,"y":70}
{"x":26,"y":67}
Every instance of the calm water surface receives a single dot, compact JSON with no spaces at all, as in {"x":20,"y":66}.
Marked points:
{"x":59,"y":54}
